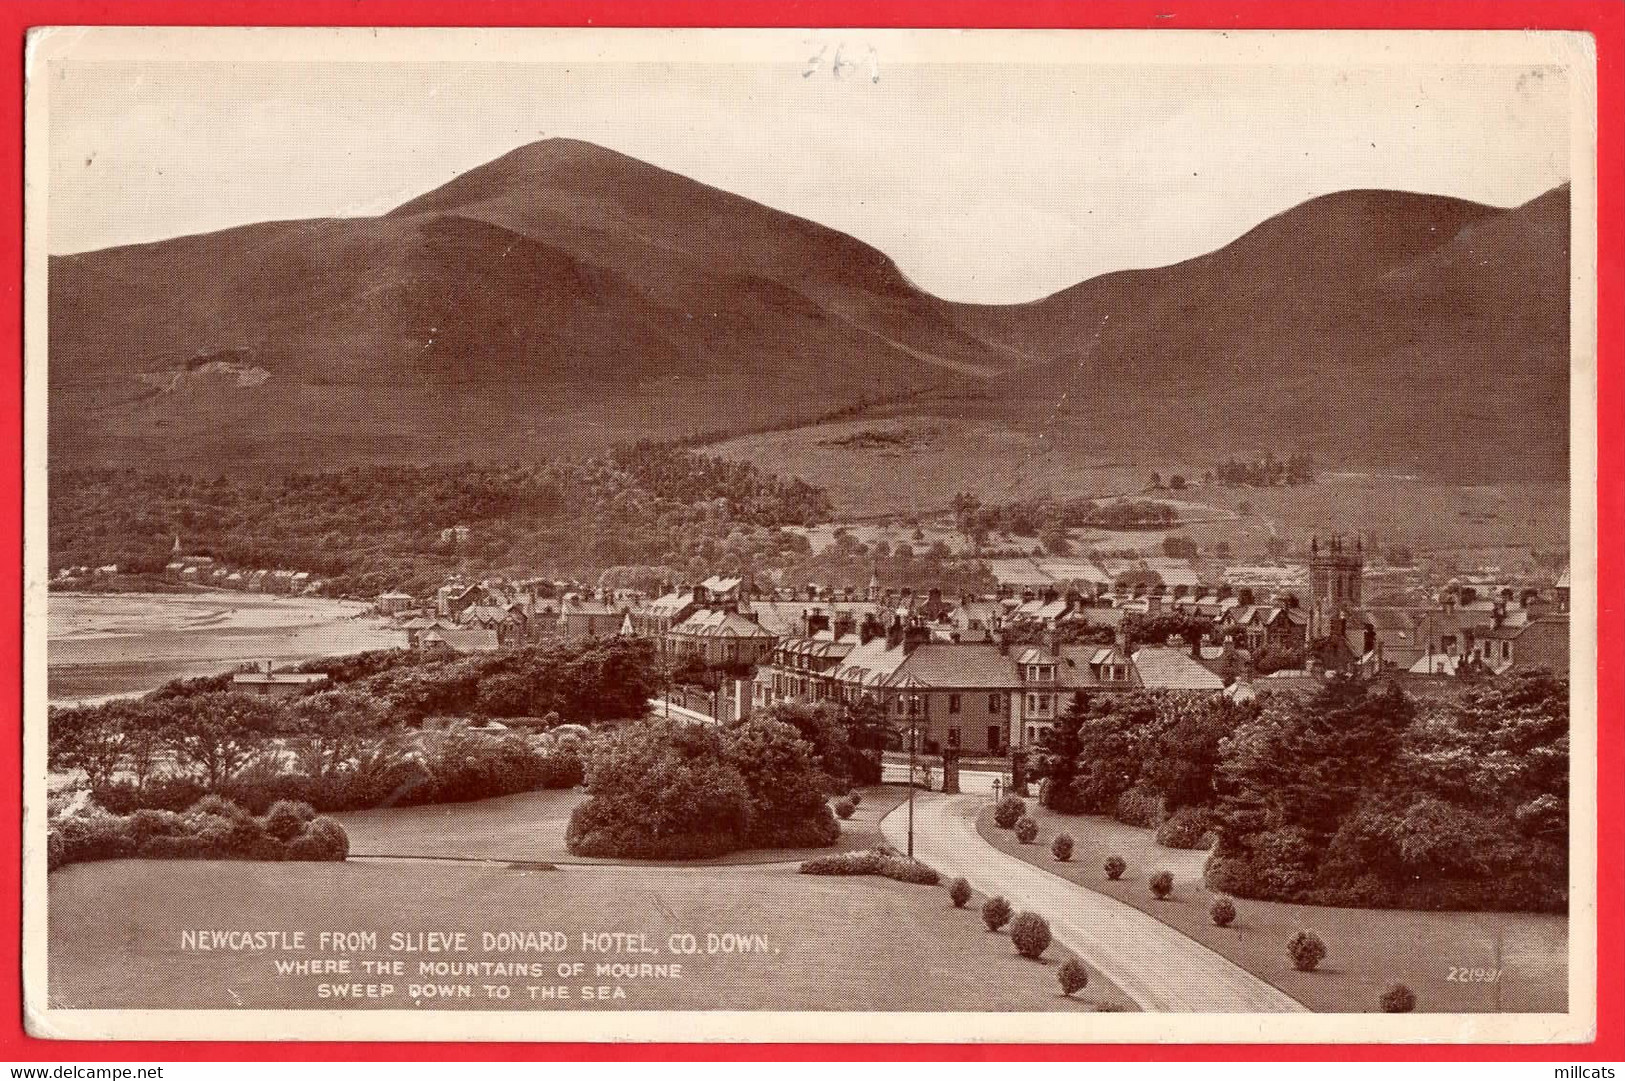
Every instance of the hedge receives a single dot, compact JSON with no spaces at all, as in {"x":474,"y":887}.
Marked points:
{"x":454,"y":769}
{"x":212,"y":829}
{"x":872,"y":862}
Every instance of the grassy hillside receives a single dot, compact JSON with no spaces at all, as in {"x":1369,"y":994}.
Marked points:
{"x":565,"y":297}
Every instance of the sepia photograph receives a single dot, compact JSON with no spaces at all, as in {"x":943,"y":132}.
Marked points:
{"x":766,"y":535}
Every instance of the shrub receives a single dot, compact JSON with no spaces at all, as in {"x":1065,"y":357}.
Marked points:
{"x":215,"y":829}
{"x":664,"y":790}
{"x":1009,"y":811}
{"x":1031,"y":935}
{"x":995,"y":913}
{"x":854,"y":797}
{"x":844,"y":809}
{"x":1061,"y":847}
{"x":286,"y":819}
{"x":1026,"y":830}
{"x":89,"y":837}
{"x":1074,"y":977}
{"x":911,"y":871}
{"x":1162,"y":884}
{"x":1306,"y":950}
{"x":959,"y":893}
{"x":219,"y":805}
{"x":873,"y":862}
{"x":1115,"y":866}
{"x":159,"y":794}
{"x":1398,"y":999}
{"x":1188,"y":828}
{"x":145,"y":825}
{"x":1137,"y":807}
{"x":323,"y":840}
{"x":1223,"y":912}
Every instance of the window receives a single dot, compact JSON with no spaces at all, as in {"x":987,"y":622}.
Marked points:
{"x":1032,"y":703}
{"x":953,"y":737}
{"x":953,"y":707}
{"x":1506,"y":650}
{"x":993,"y":734}
{"x":1032,"y":734}
{"x":1043,"y":703}
{"x":993,"y":703}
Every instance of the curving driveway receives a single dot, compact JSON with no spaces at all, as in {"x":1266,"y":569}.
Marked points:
{"x":1155,"y":965}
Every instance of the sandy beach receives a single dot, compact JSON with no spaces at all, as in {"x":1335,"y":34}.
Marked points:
{"x":107,"y":645}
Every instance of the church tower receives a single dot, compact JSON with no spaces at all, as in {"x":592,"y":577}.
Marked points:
{"x":1335,"y":573}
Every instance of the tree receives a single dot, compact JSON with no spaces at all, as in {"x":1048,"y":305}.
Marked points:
{"x":869,"y":730}
{"x":1156,"y":479}
{"x":821,"y":729}
{"x":1176,"y":482}
{"x":332,"y":731}
{"x":1276,"y":659}
{"x":1159,"y":628}
{"x":1185,"y":757}
{"x":213,"y":736}
{"x":965,"y":505}
{"x":786,"y":785}
{"x":668,"y":789}
{"x":87,"y":739}
{"x":1112,"y":748}
{"x":660,"y":789}
{"x":1057,"y":761}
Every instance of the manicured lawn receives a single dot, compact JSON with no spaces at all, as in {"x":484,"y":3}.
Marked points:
{"x":830,"y":943}
{"x":530,"y":827}
{"x":1368,"y":949}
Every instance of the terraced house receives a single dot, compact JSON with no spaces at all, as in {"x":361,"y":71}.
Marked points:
{"x":979,"y":697}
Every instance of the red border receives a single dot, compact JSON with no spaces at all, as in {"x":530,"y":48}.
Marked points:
{"x":1604,"y":19}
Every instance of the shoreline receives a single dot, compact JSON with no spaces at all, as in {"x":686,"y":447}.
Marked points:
{"x":105,"y":646}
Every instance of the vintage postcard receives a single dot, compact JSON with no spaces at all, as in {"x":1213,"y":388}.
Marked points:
{"x":809,"y":535}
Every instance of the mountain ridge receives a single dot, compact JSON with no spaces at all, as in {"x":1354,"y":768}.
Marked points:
{"x":564,"y":295}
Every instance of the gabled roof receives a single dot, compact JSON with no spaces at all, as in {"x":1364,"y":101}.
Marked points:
{"x":721,"y":623}
{"x":483,"y":613}
{"x":587,"y":608}
{"x":1166,"y":668}
{"x":956,"y":665}
{"x":669,"y":604}
{"x":462,"y":639}
{"x":783,"y":619}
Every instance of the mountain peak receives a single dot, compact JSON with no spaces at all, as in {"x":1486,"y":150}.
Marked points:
{"x":557,"y":164}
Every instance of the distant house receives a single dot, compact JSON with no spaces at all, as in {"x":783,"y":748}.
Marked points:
{"x":1261,"y":626}
{"x":980,"y":697}
{"x":451,"y":598}
{"x":508,"y":623}
{"x":391,"y":603}
{"x":1542,"y":642}
{"x":721,"y":636}
{"x":279,"y":684}
{"x":587,"y":618}
{"x":459,"y":640}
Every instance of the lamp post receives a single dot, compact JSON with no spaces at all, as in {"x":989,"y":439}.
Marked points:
{"x":913,"y":742}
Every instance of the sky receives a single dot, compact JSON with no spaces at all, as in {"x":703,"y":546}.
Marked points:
{"x":993,"y":182}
